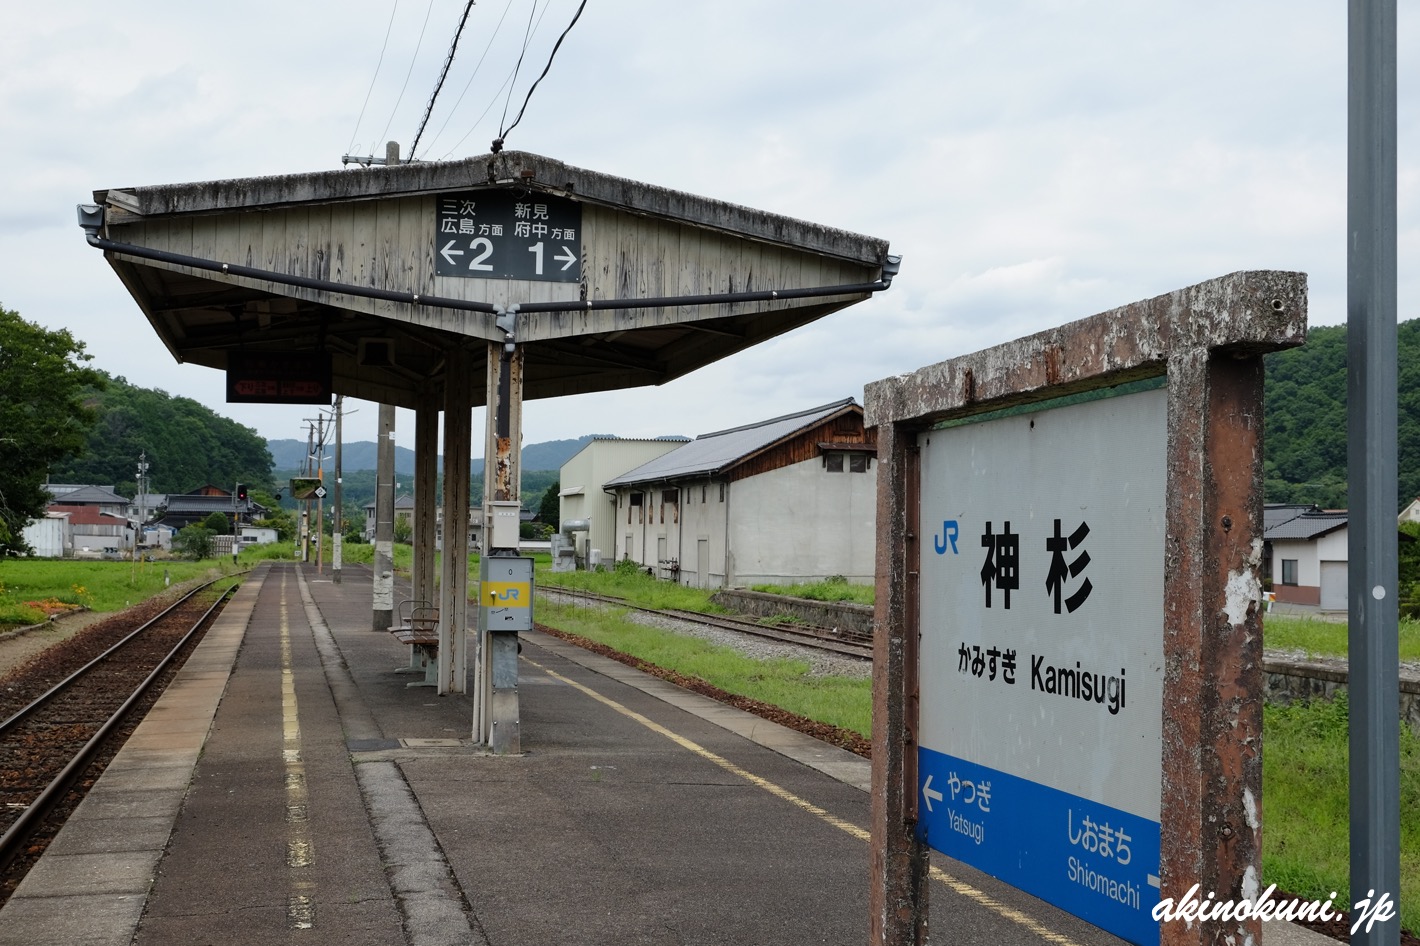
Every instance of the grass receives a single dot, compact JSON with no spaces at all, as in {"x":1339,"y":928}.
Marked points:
{"x":635,"y":587}
{"x":1320,"y":638}
{"x":839,"y":701}
{"x":1305,"y":776}
{"x":1305,"y":805}
{"x":831,"y":589}
{"x":103,"y":586}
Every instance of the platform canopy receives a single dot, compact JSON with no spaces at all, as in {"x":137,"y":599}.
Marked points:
{"x":374,"y":273}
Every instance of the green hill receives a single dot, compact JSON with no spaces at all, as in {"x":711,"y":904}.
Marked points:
{"x":187,"y":444}
{"x":1305,"y":419}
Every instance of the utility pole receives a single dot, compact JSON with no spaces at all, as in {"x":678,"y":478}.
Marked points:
{"x":337,"y":527}
{"x":382,"y":604}
{"x":142,"y":507}
{"x":306,"y":509}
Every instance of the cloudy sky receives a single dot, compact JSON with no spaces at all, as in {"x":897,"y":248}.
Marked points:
{"x":1033,"y":162}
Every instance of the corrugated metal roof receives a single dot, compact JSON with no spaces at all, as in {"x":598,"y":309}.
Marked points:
{"x":712,"y":453}
{"x":89,"y":516}
{"x":1310,"y":525}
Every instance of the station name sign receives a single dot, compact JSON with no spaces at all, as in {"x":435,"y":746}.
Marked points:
{"x":278,"y":377}
{"x":1042,"y":652}
{"x":500,"y":234}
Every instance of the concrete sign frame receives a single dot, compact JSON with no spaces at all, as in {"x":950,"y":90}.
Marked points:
{"x":1206,"y":342}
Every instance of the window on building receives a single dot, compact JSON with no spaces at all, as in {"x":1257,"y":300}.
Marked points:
{"x":1289,"y":571}
{"x":704,"y":489}
{"x":722,"y":492}
{"x":635,"y":501}
{"x":833,"y":462}
{"x":858,"y":462}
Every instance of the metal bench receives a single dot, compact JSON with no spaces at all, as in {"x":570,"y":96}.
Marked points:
{"x":420,"y":630}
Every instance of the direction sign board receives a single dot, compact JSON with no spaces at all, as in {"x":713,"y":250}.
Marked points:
{"x":1042,"y":651}
{"x":502,"y":235}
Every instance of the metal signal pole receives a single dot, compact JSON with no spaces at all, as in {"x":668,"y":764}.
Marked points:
{"x":1371,"y":390}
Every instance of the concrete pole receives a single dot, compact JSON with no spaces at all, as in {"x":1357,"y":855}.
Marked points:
{"x":383,"y":604}
{"x":496,"y":669}
{"x":320,"y":500}
{"x":453,"y":593}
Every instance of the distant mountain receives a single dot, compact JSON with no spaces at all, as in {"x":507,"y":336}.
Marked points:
{"x":354,"y":455}
{"x":362,"y":455}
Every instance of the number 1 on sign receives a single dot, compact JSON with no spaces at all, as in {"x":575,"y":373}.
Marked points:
{"x":536,"y":251}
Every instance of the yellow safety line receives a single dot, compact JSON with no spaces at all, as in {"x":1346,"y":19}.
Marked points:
{"x":959,"y":886}
{"x":300,"y":849}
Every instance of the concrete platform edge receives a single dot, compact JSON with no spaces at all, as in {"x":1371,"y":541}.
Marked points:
{"x":102,"y":894}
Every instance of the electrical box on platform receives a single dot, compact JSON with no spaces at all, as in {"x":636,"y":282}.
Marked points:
{"x":505,"y":593}
{"x":503,"y":523}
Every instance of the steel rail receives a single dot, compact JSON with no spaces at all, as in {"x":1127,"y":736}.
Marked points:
{"x":64,"y":684}
{"x":802,"y":637}
{"x":15,"y":837}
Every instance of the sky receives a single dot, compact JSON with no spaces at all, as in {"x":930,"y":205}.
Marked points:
{"x":1032,"y":162}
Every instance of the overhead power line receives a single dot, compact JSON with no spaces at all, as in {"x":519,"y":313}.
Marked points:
{"x":443,"y":74}
{"x":527,"y":38}
{"x":380,"y":62}
{"x":503,"y":134}
{"x":469,"y":84}
{"x":413,"y":59}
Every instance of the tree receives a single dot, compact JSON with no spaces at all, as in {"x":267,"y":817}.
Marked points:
{"x":186,"y":442}
{"x":194,"y":541}
{"x":44,"y":417}
{"x":551,"y":510}
{"x":217,"y":524}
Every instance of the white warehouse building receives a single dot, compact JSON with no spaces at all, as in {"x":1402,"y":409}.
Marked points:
{"x":786,"y":500}
{"x":580,"y":493}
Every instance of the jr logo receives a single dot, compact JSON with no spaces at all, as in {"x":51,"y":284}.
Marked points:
{"x":504,"y":594}
{"x":949,"y":534}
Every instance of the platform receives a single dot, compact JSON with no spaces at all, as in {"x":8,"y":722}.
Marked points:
{"x":289,"y":787}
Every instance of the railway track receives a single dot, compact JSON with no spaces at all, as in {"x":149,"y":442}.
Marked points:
{"x":821,"y":638}
{"x":95,"y":689}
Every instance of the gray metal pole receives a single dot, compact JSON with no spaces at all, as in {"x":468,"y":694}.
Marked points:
{"x":383,"y":592}
{"x":1371,"y":457}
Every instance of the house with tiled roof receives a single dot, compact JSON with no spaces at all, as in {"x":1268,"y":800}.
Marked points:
{"x":95,"y":519}
{"x":784,"y":500}
{"x":1307,"y":548}
{"x":184,"y":509}
{"x":403,"y":509}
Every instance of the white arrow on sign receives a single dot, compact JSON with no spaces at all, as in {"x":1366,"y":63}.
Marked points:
{"x":567,"y":255}
{"x":449,"y":254}
{"x":929,"y":794}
